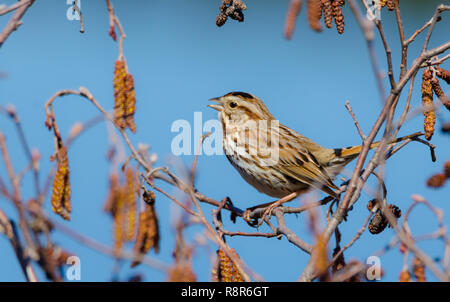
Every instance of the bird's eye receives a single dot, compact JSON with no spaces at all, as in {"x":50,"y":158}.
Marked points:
{"x":233,"y":105}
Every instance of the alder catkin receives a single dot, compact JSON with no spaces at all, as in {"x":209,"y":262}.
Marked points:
{"x":119,"y":218}
{"x":130,"y":195}
{"x":122,"y":205}
{"x":447,"y":169}
{"x":148,"y":233}
{"x":227,"y":271}
{"x":120,"y":74}
{"x":314,"y":14}
{"x":60,"y":198}
{"x":427,"y":103}
{"x":439,"y":93}
{"x":443,"y":74}
{"x":294,"y":9}
{"x":437,"y":180}
{"x":124,"y":97}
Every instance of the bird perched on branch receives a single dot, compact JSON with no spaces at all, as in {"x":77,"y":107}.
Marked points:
{"x":273,"y":158}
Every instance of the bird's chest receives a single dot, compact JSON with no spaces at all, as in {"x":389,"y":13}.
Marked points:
{"x":264,"y":178}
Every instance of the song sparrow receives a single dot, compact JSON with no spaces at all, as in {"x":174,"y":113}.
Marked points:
{"x":299,"y":165}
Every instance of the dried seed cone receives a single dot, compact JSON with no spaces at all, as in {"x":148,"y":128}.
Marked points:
{"x":314,"y":14}
{"x":427,"y":101}
{"x":221,"y":19}
{"x":338,"y":17}
{"x":436,"y":181}
{"x":148,"y":233}
{"x":419,"y":270}
{"x":232,"y":9}
{"x":124,"y":97}
{"x":395,"y":210}
{"x":439,"y":93}
{"x":390,"y":5}
{"x":443,"y":74}
{"x":377,"y":224}
{"x":405,"y":276}
{"x":327,"y":13}
{"x":61,"y":186}
{"x":227,"y":271}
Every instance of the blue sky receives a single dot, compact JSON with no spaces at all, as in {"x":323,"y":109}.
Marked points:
{"x":180,"y":59}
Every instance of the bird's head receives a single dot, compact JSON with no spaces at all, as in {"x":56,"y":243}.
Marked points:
{"x":240,"y":107}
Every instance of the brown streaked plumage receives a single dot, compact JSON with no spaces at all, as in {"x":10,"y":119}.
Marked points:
{"x":294,"y":164}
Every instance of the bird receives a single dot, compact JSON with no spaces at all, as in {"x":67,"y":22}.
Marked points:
{"x":300,"y":164}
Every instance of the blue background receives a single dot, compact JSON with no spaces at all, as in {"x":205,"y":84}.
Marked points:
{"x":180,"y":59}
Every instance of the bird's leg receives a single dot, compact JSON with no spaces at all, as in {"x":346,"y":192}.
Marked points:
{"x":268,"y":212}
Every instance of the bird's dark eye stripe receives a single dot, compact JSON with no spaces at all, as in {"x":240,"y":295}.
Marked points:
{"x":338,"y":152}
{"x":242,"y":94}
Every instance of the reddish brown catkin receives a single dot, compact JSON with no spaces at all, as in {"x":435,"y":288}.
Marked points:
{"x":120,"y":74}
{"x":321,"y":260}
{"x":61,"y":185}
{"x":327,"y":13}
{"x":294,"y":9}
{"x":338,"y":17}
{"x":439,"y":93}
{"x":131,"y":103}
{"x":124,"y":97}
{"x":130,"y":195}
{"x":437,"y":180}
{"x":447,"y":169}
{"x":114,"y":188}
{"x":148,"y":233}
{"x":314,"y":14}
{"x":443,"y":74}
{"x":427,"y":103}
{"x":227,"y":271}
{"x":119,"y":218}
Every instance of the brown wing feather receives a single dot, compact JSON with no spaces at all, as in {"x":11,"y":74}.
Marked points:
{"x":303,"y":167}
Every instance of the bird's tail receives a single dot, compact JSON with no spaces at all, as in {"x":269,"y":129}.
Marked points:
{"x":352,"y":152}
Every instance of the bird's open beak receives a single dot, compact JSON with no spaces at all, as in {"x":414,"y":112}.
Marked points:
{"x":217,"y":107}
